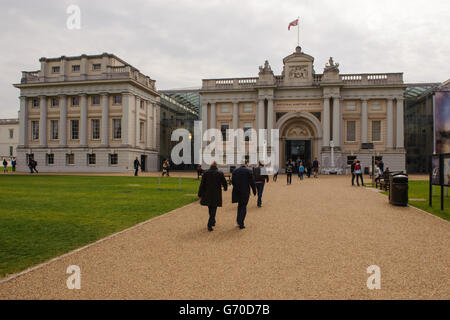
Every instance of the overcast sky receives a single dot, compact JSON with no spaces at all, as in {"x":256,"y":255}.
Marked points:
{"x":178,"y":43}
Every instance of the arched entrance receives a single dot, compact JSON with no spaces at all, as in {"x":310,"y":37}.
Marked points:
{"x":300,"y":137}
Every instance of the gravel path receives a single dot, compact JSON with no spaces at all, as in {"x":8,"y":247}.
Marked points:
{"x":313,"y":239}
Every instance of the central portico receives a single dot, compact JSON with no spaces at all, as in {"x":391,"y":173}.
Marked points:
{"x":362,"y":114}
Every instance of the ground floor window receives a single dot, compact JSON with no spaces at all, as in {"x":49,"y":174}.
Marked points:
{"x":113,"y":159}
{"x":91,"y":158}
{"x":50,"y":158}
{"x":11,"y":149}
{"x":70,"y":159}
{"x":29,"y":156}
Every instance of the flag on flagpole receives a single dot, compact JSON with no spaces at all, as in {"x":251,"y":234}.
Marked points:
{"x":293,"y":24}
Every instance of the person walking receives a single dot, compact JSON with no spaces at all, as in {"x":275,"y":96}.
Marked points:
{"x":381,"y":165}
{"x":5,"y":165}
{"x":13,"y":164}
{"x":352,"y":169}
{"x":260,"y":179}
{"x":210,"y":192}
{"x":358,"y":172}
{"x":275,"y":176}
{"x":166,"y":166}
{"x":289,"y":173}
{"x":301,"y":170}
{"x":199,"y":171}
{"x":34,"y":165}
{"x":30,"y":165}
{"x":136,"y":166}
{"x":308,"y":168}
{"x":316,"y":167}
{"x":242,"y":180}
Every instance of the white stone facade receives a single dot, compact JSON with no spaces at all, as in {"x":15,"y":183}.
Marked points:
{"x":88,"y":105}
{"x":362,"y":114}
{"x":9,"y":138}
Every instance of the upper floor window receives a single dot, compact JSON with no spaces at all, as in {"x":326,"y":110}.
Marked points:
{"x":95,"y":127}
{"x":54,"y":129}
{"x":34,"y":130}
{"x":142,"y":104}
{"x":96,"y":66}
{"x":376,"y":130}
{"x":36,"y":103}
{"x":75,"y":101}
{"x":55,"y":102}
{"x":76,"y":68}
{"x":117,"y":130}
{"x":95,"y":100}
{"x":351,"y":131}
{"x":55,"y":69}
{"x":75,"y":129}
{"x":11,"y":133}
{"x":247,"y":107}
{"x":224,"y":108}
{"x":117,"y":99}
{"x":141,"y":131}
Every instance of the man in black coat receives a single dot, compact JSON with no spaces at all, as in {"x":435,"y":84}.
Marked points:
{"x":242,"y":179}
{"x":260,"y":179}
{"x":136,"y":166}
{"x":210,"y":192}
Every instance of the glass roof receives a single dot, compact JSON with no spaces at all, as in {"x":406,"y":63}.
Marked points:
{"x":188,"y":97}
{"x":415,"y":90}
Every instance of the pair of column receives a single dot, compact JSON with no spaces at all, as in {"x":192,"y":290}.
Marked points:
{"x":337,"y":116}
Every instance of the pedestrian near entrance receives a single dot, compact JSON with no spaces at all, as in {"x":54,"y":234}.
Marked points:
{"x":13,"y":164}
{"x":316,"y":167}
{"x":5,"y":166}
{"x":352,"y":169}
{"x":34,"y":165}
{"x":166,"y":167}
{"x":260,"y":179}
{"x":289,"y":173}
{"x":275,"y":176}
{"x":210,"y":192}
{"x":308,"y":168}
{"x":242,"y":180}
{"x":136,"y":166}
{"x":301,"y":170}
{"x":358,"y":172}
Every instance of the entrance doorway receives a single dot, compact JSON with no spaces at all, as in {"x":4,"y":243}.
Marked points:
{"x":298,"y":149}
{"x":143,"y":162}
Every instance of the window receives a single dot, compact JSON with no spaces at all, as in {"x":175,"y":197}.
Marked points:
{"x":50,"y":158}
{"x":54,"y":129}
{"x":76,"y":68}
{"x":29,"y":156}
{"x":95,"y":128}
{"x":75,"y":126}
{"x":11,"y":150}
{"x":36,"y":103}
{"x":142,"y":104}
{"x":75,"y":101}
{"x":117,"y":99}
{"x":55,"y":102}
{"x":70,"y":159}
{"x":91,"y":158}
{"x":350,"y":106}
{"x":35,"y":130}
{"x":248,"y":107}
{"x":350,"y":159}
{"x":376,"y":130}
{"x":141,"y":131}
{"x":113,"y":159}
{"x":55,"y":69}
{"x":376,"y":105}
{"x":96,"y":66}
{"x":247,"y":132}
{"x":224,"y":108}
{"x":223,"y":128}
{"x":11,"y":133}
{"x":117,"y":129}
{"x":95,"y":100}
{"x":351,"y":131}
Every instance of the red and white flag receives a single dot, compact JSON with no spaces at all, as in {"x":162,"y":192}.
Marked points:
{"x":293,"y":24}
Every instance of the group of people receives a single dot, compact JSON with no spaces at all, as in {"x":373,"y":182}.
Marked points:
{"x":357,"y":172}
{"x":301,"y":169}
{"x":5,"y":165}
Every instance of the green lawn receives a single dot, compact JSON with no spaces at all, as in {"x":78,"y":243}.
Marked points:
{"x":45,"y":216}
{"x":419,"y":190}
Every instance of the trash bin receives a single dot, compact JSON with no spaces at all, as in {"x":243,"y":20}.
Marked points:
{"x":398,"y":189}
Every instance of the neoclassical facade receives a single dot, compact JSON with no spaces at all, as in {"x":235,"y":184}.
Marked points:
{"x":90,"y":113}
{"x":347,"y":115}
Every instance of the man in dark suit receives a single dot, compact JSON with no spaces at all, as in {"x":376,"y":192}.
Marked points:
{"x":136,"y":166}
{"x":242,"y":179}
{"x":210,"y":192}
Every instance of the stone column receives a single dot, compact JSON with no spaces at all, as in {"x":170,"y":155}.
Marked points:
{"x":204,"y":117}
{"x":83,"y":120}
{"x":43,"y":71}
{"x":125,"y":118}
{"x":261,"y":114}
{"x":23,"y":122}
{"x":138,"y":121}
{"x":155,"y":126}
{"x":400,"y":132}
{"x":235,"y":115}
{"x":390,"y":124}
{"x":364,"y":120}
{"x":269,"y":118}
{"x":326,"y":122}
{"x":63,"y":121}
{"x":43,"y":122}
{"x":213,"y":123}
{"x":336,"y":122}
{"x":105,"y":119}
{"x":149,"y":118}
{"x":84,"y":66}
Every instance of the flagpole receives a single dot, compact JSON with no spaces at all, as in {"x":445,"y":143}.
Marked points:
{"x":298,"y":31}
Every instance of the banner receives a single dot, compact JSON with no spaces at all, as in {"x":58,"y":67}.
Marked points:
{"x":442,"y":122}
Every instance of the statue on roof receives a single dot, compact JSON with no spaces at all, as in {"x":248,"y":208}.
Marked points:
{"x":331,"y":66}
{"x":266,"y":68}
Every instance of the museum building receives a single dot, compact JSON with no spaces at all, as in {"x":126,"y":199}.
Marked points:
{"x":347,"y":115}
